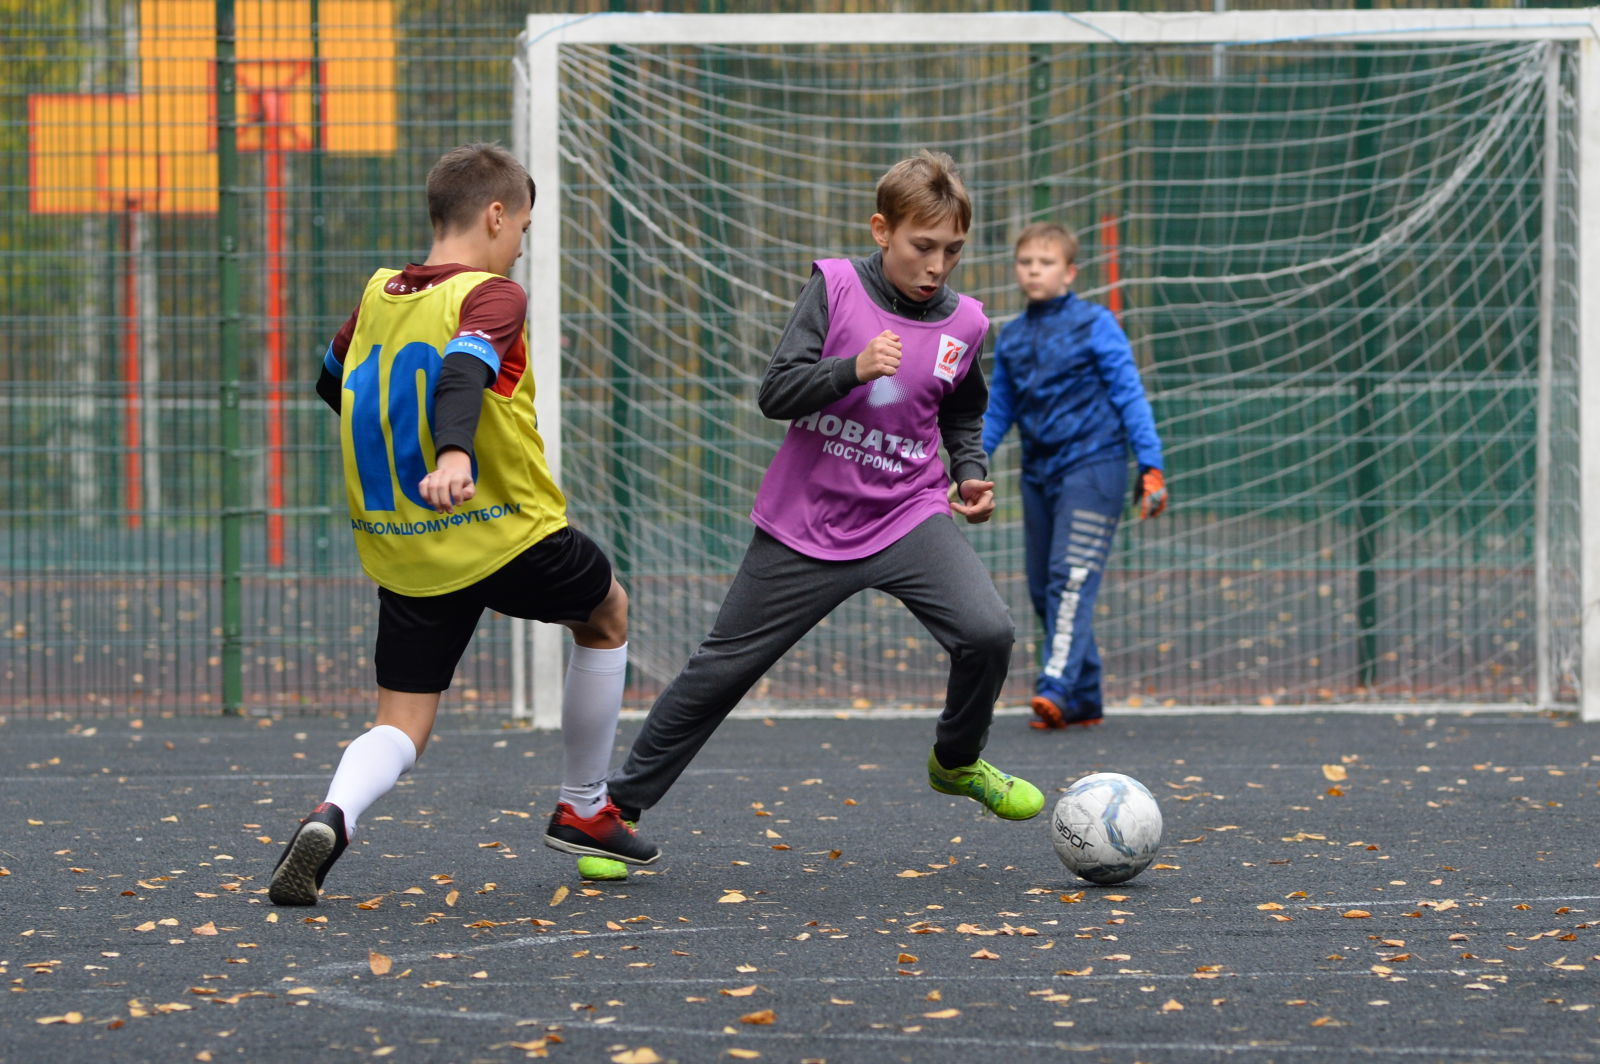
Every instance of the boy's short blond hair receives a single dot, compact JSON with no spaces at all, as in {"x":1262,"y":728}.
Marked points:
{"x":1051,"y":232}
{"x":467,"y":179}
{"x":924,"y":187}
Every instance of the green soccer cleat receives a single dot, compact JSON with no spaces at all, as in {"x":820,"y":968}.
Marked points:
{"x":1005,"y":796}
{"x":601,"y":868}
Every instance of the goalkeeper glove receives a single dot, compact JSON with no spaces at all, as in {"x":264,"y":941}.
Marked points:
{"x":1149,"y":492}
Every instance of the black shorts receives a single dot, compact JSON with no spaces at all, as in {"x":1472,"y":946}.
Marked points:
{"x":563,"y":577}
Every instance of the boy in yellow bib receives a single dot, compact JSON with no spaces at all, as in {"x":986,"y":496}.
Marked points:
{"x":454,"y":511}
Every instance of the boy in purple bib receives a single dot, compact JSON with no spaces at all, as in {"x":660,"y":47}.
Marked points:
{"x":876,"y":369}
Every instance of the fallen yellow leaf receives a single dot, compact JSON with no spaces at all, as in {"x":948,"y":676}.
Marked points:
{"x":742,"y":991}
{"x":1335,"y":773}
{"x":642,"y":1055}
{"x":378,"y":962}
{"x":557,"y":898}
{"x":759,"y":1019}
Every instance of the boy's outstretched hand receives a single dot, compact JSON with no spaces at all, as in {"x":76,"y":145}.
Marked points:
{"x":881,"y":358}
{"x":1150,"y":492}
{"x":974,"y":501}
{"x":450,"y":482}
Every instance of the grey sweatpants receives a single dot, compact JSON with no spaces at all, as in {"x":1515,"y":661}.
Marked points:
{"x":778,"y":595}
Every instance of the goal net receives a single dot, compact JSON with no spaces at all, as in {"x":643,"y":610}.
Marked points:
{"x":1346,"y":256}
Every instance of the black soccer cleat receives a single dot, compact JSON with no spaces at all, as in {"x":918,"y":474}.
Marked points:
{"x":317,"y":843}
{"x":602,"y":835}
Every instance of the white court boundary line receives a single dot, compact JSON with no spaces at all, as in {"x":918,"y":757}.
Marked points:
{"x":1452,"y":709}
{"x":566,"y":1022}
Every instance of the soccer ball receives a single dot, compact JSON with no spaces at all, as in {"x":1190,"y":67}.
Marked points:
{"x":1106,"y":828}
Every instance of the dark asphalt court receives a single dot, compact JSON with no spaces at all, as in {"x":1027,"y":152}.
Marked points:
{"x":1331,"y":887}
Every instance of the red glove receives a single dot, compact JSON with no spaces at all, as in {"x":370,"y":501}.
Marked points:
{"x":1149,"y":492}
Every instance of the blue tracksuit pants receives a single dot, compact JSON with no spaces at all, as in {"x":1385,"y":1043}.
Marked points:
{"x":1068,"y":524}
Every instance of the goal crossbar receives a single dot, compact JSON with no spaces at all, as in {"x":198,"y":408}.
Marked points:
{"x":1026,"y":27}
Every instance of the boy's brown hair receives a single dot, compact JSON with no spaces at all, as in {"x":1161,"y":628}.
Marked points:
{"x":467,"y":179}
{"x":924,"y":187}
{"x":1050,"y":232}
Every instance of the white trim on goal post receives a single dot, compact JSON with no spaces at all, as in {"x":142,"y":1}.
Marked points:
{"x":1588,"y":208}
{"x":534,"y":141}
{"x":538,"y":62}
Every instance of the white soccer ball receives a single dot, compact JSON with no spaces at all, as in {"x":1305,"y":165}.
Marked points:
{"x":1106,"y":828}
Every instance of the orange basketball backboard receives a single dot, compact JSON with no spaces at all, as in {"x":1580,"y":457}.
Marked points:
{"x":155,"y":150}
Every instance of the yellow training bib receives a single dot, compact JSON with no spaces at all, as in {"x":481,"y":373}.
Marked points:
{"x":385,"y":429}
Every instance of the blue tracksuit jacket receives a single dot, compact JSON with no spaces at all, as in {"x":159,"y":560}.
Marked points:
{"x":1063,"y":373}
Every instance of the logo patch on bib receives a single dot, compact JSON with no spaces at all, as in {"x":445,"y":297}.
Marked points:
{"x":951,"y":352}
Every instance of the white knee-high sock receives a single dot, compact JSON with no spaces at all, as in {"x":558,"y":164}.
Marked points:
{"x":590,"y":704}
{"x":369,"y":769}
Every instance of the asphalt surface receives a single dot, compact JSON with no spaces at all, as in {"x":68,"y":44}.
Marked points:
{"x":1331,"y":887}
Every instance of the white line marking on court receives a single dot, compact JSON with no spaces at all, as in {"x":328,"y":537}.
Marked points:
{"x":811,"y":1038}
{"x":347,"y":999}
{"x":1431,"y":709}
{"x":1497,"y":712}
{"x":1465,"y":899}
{"x":124,"y":778}
{"x":546,"y":939}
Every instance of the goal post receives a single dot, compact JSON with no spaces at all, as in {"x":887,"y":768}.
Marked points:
{"x":1347,"y":247}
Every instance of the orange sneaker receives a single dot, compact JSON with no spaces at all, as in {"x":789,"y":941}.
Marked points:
{"x":1049,"y":717}
{"x":1046,"y":714}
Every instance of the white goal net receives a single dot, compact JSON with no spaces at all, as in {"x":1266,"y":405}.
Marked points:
{"x":1346,"y":248}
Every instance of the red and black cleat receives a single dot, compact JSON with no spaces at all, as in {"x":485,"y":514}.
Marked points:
{"x":602,"y":835}
{"x":317,"y":843}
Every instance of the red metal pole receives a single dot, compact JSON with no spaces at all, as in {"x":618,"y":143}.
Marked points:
{"x":132,"y":400}
{"x":1112,"y":242}
{"x":273,"y":105}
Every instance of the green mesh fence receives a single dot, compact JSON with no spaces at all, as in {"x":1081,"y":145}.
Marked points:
{"x":111,"y":304}
{"x":1352,"y":437}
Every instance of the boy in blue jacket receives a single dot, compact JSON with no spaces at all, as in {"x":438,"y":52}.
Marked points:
{"x":1065,"y":376}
